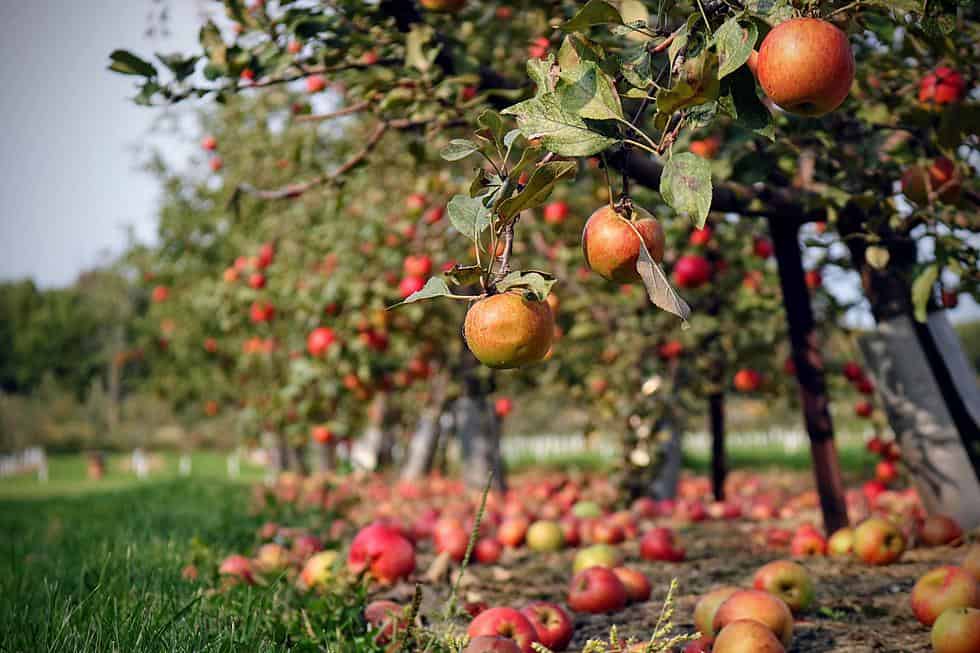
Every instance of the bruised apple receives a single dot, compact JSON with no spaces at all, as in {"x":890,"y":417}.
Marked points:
{"x":806,"y":66}
{"x":611,"y":246}
{"x":509,"y":330}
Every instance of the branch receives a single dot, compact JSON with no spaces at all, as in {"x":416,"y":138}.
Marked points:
{"x":346,"y":111}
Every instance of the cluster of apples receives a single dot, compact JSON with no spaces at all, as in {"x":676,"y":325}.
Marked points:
{"x":210,"y":144}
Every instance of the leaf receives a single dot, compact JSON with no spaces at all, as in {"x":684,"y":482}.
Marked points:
{"x":214,"y":46}
{"x":595,"y":12}
{"x":637,"y":67}
{"x":434,"y":287}
{"x":587,"y":91}
{"x":686,"y":186}
{"x":734,"y":44}
{"x":698,"y":83}
{"x":537,"y":283}
{"x":415,"y":54}
{"x":877,"y":257}
{"x":740,"y":100}
{"x":538,"y":187}
{"x":182,"y":67}
{"x":468,"y":215}
{"x":577,"y":48}
{"x":658,"y":287}
{"x":922,"y":289}
{"x":560,"y":132}
{"x":459,"y":148}
{"x":492,"y":122}
{"x":127,"y":63}
{"x":463,"y":275}
{"x":539,"y":70}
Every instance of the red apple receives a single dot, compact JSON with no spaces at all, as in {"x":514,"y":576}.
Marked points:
{"x":942,"y":86}
{"x":256,"y":281}
{"x":239,"y":568}
{"x":410,"y":285}
{"x":762,"y":247}
{"x":503,"y":406}
{"x":659,"y":544}
{"x":707,"y":606}
{"x":863,"y":409}
{"x":758,"y":606}
{"x":386,"y":617}
{"x":383,"y":550}
{"x":552,"y":624}
{"x":878,"y":541}
{"x":555,"y":212}
{"x":807,"y":543}
{"x":320,"y":340}
{"x":512,"y":531}
{"x":886,"y":472}
{"x":315,"y":83}
{"x":487,"y":551}
{"x":417,"y":266}
{"x":692,"y":271}
{"x":747,"y":636}
{"x":787,"y":580}
{"x":957,"y":630}
{"x":852,"y":371}
{"x":492,"y":644}
{"x":941,"y":589}
{"x":637,"y":586}
{"x":209,"y":143}
{"x":806,"y":66}
{"x":596,"y":590}
{"x":504,"y":622}
{"x":453,"y":540}
{"x":747,"y":380}
{"x":700,"y":237}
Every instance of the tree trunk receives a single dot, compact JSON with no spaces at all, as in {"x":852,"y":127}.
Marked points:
{"x":719,"y":464}
{"x":425,"y":441}
{"x":276,"y":450}
{"x":479,"y":435}
{"x":373,"y":450}
{"x":324,"y":457}
{"x":809,"y":373}
{"x":932,"y":448}
{"x":664,"y":485}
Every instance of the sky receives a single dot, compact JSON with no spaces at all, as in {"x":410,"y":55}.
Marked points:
{"x":69,"y":173}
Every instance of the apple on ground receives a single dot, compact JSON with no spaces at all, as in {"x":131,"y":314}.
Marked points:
{"x":943,"y":588}
{"x":504,"y":622}
{"x":491,"y":644}
{"x":707,"y":606}
{"x":746,"y":636}
{"x":383,"y":550}
{"x":841,"y":543}
{"x":789,"y":581}
{"x":597,"y":555}
{"x":807,"y":543}
{"x":552,"y":624}
{"x":878,"y":541}
{"x":971,"y":562}
{"x":271,"y":557}
{"x":939,"y":530}
{"x":957,"y":630}
{"x":637,"y":585}
{"x":238,"y":567}
{"x":544,"y":535}
{"x":759,"y":606}
{"x":385,"y":616}
{"x":487,"y":551}
{"x":660,"y":544}
{"x":513,"y":531}
{"x":318,"y":570}
{"x":596,"y":590}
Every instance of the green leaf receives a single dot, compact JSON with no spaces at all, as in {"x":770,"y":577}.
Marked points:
{"x":776,"y":11}
{"x":434,"y":287}
{"x":463,"y":275}
{"x":214,"y":46}
{"x":415,"y":52}
{"x":922,"y":289}
{"x":588,"y":92}
{"x":734,"y":44}
{"x":637,"y":67}
{"x":127,"y":63}
{"x":537,"y":283}
{"x":468,"y":215}
{"x":459,"y":148}
{"x":492,"y":122}
{"x":538,"y":187}
{"x":740,"y":100}
{"x":595,"y":12}
{"x":698,"y":83}
{"x":658,"y":287}
{"x":577,"y":48}
{"x":539,"y":70}
{"x":686,"y":186}
{"x":560,"y":132}
{"x":182,"y":67}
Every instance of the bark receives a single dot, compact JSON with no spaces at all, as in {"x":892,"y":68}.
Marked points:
{"x":664,"y":485}
{"x":809,"y":374}
{"x":324,"y":457}
{"x":373,"y":450}
{"x":115,"y":381}
{"x":425,"y":440}
{"x":479,"y":435}
{"x":275,"y":446}
{"x":719,"y":464}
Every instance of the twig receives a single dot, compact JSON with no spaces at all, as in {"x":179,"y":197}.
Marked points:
{"x":346,"y":111}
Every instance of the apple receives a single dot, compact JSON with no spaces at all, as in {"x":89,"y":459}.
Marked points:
{"x":492,"y":644}
{"x":596,"y":590}
{"x":759,"y":606}
{"x":864,"y":386}
{"x":671,"y":349}
{"x":538,"y":48}
{"x":487,"y":551}
{"x":315,"y":83}
{"x":611,"y":245}
{"x":807,"y":543}
{"x":385,"y":616}
{"x":434,"y":214}
{"x":318,"y":570}
{"x":700,"y":237}
{"x":544,"y":536}
{"x":700,"y":645}
{"x":160,"y":294}
{"x":942,"y":86}
{"x":503,"y":406}
{"x":606,"y":532}
{"x":852,"y":371}
{"x":513,"y":531}
{"x":597,"y":555}
{"x":452,"y":540}
{"x":570,"y":531}
{"x":707,"y":606}
{"x":443,"y":5}
{"x":409,"y":285}
{"x":806,"y":66}
{"x":216,"y":163}
{"x":841,"y":543}
{"x":943,"y":588}
{"x":320,"y":340}
{"x":878,"y":541}
{"x":660,"y":544}
{"x":957,"y":630}
{"x":637,"y":586}
{"x":747,"y":380}
{"x":972,"y":561}
{"x":940,"y":177}
{"x":555,"y":212}
{"x":239,"y":568}
{"x":949,"y":298}
{"x":813,"y":279}
{"x":383,"y":550}
{"x":271,"y":557}
{"x":256,"y":281}
{"x":863,"y":408}
{"x":551,"y":623}
{"x":747,"y":636}
{"x":509,"y":330}
{"x":586,"y":509}
{"x":417,"y":266}
{"x":787,"y":580}
{"x":306,"y":545}
{"x":692,"y":271}
{"x":504,"y":622}
{"x":762,"y":247}
{"x":706,"y":148}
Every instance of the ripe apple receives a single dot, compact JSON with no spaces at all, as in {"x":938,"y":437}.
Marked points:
{"x":596,"y":590}
{"x":747,"y":380}
{"x":941,"y":177}
{"x":807,"y":543}
{"x":637,"y":586}
{"x":759,"y":606}
{"x":852,"y":371}
{"x":841,"y":543}
{"x":886,"y":472}
{"x":415,"y":202}
{"x":315,"y":83}
{"x":434,"y":214}
{"x":611,"y":246}
{"x":239,"y":568}
{"x":551,"y":623}
{"x":597,"y":555}
{"x":538,"y":48}
{"x":747,"y":636}
{"x":659,"y":544}
{"x":555,"y":212}
{"x":256,"y":281}
{"x":878,"y":541}
{"x":443,"y":5}
{"x":544,"y":536}
{"x":863,"y":408}
{"x":692,"y":271}
{"x":452,"y":540}
{"x":942,"y":86}
{"x":787,"y":580}
{"x":513,"y":531}
{"x":509,"y":330}
{"x":706,"y":148}
{"x":950,"y":298}
{"x":813,"y":279}
{"x":385,"y":616}
{"x":806,"y":66}
{"x":957,"y":630}
{"x":271,"y":557}
{"x":971,"y":562}
{"x":318,"y":570}
{"x":216,"y":163}
{"x":570,"y":531}
{"x":492,"y":644}
{"x":160,"y":294}
{"x":671,"y":349}
{"x":762,"y":247}
{"x":943,"y":588}
{"x":707,"y":606}
{"x":504,"y":622}
{"x":700,"y":237}
{"x":209,"y":143}
{"x":586,"y":509}
{"x":409,"y":285}
{"x":487,"y":551}
{"x":607,"y":532}
{"x":418,"y":265}
{"x":262,"y":312}
{"x":320,"y":340}
{"x":381,"y":548}
{"x":503,"y":406}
